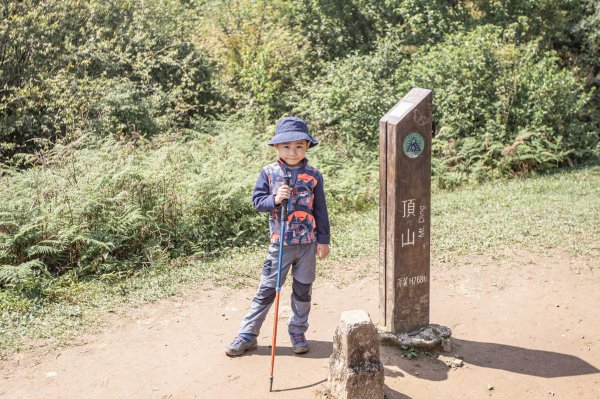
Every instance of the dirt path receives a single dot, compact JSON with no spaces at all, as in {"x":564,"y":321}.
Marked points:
{"x":526,"y":327}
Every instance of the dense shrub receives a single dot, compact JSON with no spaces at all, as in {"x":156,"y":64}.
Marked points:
{"x":346,"y":102}
{"x":547,"y":20}
{"x":106,"y":67}
{"x":258,"y":59}
{"x":427,"y":22}
{"x":336,"y":28}
{"x":587,"y":29}
{"x":112,"y":206}
{"x":500,"y":107}
{"x":351,"y":177}
{"x":587,"y":55}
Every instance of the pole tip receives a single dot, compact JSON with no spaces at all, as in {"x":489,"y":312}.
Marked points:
{"x":271,"y":384}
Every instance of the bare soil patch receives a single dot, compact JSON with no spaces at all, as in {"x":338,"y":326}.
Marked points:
{"x":525,"y":325}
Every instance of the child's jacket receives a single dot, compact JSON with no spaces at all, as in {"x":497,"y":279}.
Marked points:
{"x":307,"y":219}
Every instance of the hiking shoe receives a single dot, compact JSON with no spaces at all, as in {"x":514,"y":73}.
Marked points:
{"x":299,"y":343}
{"x":240,"y":344}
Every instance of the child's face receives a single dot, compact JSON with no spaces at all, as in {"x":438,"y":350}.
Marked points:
{"x":292,"y":153}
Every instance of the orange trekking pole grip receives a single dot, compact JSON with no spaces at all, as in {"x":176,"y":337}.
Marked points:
{"x":282,"y":220}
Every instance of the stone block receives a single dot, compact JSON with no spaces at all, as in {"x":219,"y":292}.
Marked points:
{"x":355,"y":371}
{"x":424,"y":338}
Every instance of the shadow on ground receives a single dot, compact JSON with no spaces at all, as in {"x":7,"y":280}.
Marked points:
{"x":318,"y":350}
{"x":391,"y":394}
{"x":532,"y":362}
{"x":522,"y":360}
{"x":314,"y":384}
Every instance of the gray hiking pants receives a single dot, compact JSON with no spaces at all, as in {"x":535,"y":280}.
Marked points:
{"x":301,"y":259}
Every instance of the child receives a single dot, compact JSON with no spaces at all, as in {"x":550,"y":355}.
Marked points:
{"x":306,"y":234}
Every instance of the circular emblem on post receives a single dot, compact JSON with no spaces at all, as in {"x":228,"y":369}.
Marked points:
{"x":413,"y":145}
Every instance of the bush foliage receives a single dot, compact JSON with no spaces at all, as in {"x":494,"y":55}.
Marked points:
{"x":105,"y":67}
{"x":110,"y":207}
{"x":501,"y":107}
{"x":347,"y":100}
{"x":104,"y":207}
{"x":259,"y":59}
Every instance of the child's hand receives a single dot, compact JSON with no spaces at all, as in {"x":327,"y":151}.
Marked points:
{"x":322,"y":251}
{"x":283,"y":193}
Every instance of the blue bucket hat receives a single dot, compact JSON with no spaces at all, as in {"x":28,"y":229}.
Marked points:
{"x":290,"y":129}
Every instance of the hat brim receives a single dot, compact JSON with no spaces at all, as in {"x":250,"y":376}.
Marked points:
{"x":288,"y":137}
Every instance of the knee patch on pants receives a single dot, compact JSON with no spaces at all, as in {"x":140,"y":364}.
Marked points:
{"x":301,"y":291}
{"x":265,"y":296}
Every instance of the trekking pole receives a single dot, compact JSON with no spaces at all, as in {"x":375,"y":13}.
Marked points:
{"x":282,"y":220}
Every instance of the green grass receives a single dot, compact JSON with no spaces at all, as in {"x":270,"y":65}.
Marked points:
{"x":559,"y":211}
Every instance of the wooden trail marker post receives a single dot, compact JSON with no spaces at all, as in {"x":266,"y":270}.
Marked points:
{"x":404,"y":218}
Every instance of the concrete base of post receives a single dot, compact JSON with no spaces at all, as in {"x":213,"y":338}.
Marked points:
{"x":424,"y":338}
{"x":355,"y":371}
